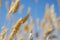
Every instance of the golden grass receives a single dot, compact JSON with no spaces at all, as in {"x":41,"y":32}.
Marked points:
{"x":0,"y":2}
{"x":37,"y":34}
{"x":13,"y":8}
{"x":21,"y":38}
{"x":26,"y":28}
{"x":53,"y":36}
{"x":31,"y":26}
{"x":30,"y":36}
{"x":3,"y":33}
{"x":47,"y":13}
{"x":54,"y":18}
{"x":47,"y":27}
{"x":53,"y":15}
{"x":17,"y":26}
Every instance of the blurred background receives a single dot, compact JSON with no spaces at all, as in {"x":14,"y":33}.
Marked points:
{"x":38,"y":10}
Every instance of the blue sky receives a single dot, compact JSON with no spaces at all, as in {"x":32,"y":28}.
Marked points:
{"x":37,"y":10}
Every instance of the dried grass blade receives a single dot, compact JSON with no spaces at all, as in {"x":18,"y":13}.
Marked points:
{"x":53,"y":36}
{"x":13,"y":9}
{"x":17,"y":26}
